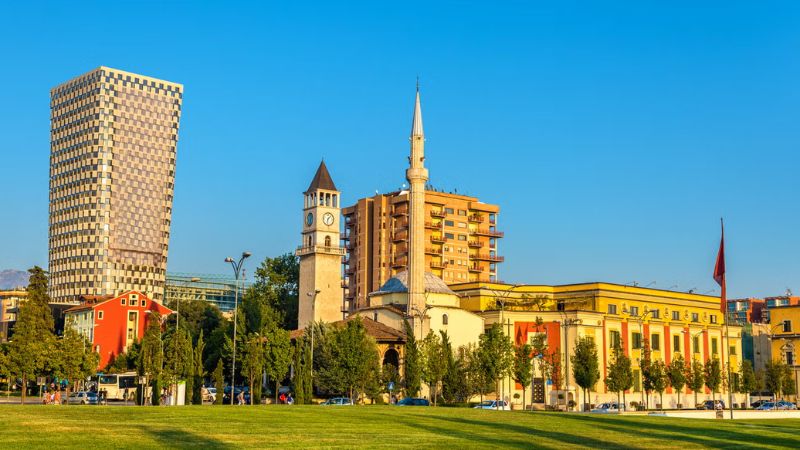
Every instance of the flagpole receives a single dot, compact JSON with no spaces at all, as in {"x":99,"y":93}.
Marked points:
{"x":724,"y":301}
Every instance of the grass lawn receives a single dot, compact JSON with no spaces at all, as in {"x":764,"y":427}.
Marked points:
{"x":370,"y":426}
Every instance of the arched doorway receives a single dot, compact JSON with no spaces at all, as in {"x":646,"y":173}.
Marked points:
{"x":391,"y":357}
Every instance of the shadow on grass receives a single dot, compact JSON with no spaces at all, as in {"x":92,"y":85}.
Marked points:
{"x":469,"y":438}
{"x":173,"y":437}
{"x":534,"y":434}
{"x":718,"y":435}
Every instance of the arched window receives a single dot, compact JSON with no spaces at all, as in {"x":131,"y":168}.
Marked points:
{"x":327,"y":241}
{"x":444,"y":319}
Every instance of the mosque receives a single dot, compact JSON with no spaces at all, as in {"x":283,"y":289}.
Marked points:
{"x":666,"y":323}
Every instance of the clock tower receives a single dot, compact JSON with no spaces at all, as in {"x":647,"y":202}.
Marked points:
{"x":321,"y":293}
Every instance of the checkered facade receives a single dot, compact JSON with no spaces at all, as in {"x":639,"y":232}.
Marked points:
{"x":112,"y":172}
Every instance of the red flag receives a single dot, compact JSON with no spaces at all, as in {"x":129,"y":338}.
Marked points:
{"x":719,"y":271}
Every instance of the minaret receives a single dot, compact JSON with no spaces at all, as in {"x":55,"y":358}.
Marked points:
{"x":417,"y":176}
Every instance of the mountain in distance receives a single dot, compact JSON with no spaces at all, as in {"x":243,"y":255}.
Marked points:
{"x":10,"y":278}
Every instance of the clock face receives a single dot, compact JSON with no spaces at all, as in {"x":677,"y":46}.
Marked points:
{"x":327,"y":219}
{"x":309,"y":219}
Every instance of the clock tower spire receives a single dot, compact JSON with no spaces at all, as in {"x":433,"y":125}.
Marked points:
{"x":320,"y":288}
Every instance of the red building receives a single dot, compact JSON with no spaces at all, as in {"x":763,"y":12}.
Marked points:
{"x":112,"y":325}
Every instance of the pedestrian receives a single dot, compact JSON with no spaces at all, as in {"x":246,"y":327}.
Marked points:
{"x":45,"y":397}
{"x":282,"y":398}
{"x":241,"y":397}
{"x":289,"y":399}
{"x":57,"y":398}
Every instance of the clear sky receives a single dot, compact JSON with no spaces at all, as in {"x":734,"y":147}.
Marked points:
{"x":613,"y":134}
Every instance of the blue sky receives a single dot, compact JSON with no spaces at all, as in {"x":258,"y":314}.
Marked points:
{"x":613,"y":134}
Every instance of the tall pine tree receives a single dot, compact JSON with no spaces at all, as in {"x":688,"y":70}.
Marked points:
{"x":32,"y":348}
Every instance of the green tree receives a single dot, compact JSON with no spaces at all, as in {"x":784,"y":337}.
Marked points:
{"x":151,"y":357}
{"x":433,"y":367}
{"x":540,"y":349}
{"x":468,"y":380}
{"x":301,"y":366}
{"x":495,"y":354}
{"x":620,"y":373}
{"x":676,"y":375}
{"x":178,"y":362}
{"x":788,"y":386}
{"x":74,"y":359}
{"x":452,"y":376}
{"x":253,"y":364}
{"x":713,"y":375}
{"x":585,"y":367}
{"x":747,"y":380}
{"x":219,"y":382}
{"x":277,"y":282}
{"x":659,"y":379}
{"x":695,"y":377}
{"x":198,"y":372}
{"x":523,"y":368}
{"x":350,"y":356}
{"x":277,"y":356}
{"x":33,"y":342}
{"x":645,"y":364}
{"x":412,"y":367}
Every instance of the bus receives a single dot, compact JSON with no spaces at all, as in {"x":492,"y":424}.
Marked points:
{"x":116,"y":385}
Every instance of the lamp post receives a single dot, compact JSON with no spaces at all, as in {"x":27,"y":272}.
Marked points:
{"x":421,"y":314}
{"x":178,"y":313}
{"x":566,"y":323}
{"x":313,"y":296}
{"x":640,"y":319}
{"x":237,"y":266}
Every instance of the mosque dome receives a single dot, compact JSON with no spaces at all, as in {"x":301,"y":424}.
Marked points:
{"x":399,"y":284}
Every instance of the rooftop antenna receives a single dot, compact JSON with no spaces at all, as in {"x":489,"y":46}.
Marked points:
{"x":672,"y":287}
{"x":652,"y":283}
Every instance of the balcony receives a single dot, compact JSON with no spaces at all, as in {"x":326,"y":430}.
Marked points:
{"x":307,"y":250}
{"x":487,"y":257}
{"x":346,"y":260}
{"x":475,"y":244}
{"x":438,"y":264}
{"x":433,"y":251}
{"x":477,"y":218}
{"x":433,"y":225}
{"x":400,"y":212}
{"x":401,"y":236}
{"x":475,"y":268}
{"x":399,"y":263}
{"x":438,"y":214}
{"x":438,"y":239}
{"x":488,"y":232}
{"x":401,"y":225}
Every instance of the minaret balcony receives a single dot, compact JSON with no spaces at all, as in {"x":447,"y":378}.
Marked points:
{"x":439,"y":214}
{"x":310,"y":249}
{"x":488,"y":232}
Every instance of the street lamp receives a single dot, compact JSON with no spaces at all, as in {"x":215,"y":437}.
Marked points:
{"x":566,"y":323}
{"x":178,"y":312}
{"x":237,"y":266}
{"x":421,"y":314}
{"x":313,"y":296}
{"x":640,"y":319}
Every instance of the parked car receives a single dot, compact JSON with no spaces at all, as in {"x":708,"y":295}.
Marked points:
{"x":776,"y":406}
{"x":411,"y":401}
{"x":209,"y":394}
{"x":82,"y":398}
{"x":501,"y":405}
{"x":338,"y":401}
{"x":787,"y":405}
{"x":712,"y":404}
{"x":605,"y":408}
{"x":758,"y":403}
{"x":226,"y":394}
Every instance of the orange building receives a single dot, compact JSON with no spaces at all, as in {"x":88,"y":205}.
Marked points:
{"x":461,"y":241}
{"x":112,"y":325}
